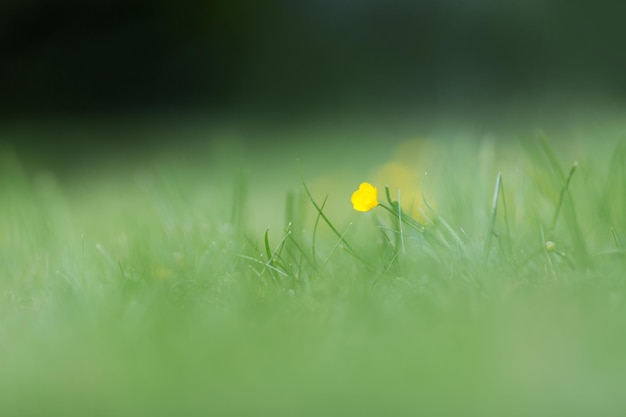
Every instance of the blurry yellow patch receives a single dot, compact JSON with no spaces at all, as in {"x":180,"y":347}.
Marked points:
{"x":407,"y":179}
{"x":415,"y":153}
{"x":161,"y":273}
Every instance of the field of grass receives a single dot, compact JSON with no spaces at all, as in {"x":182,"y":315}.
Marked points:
{"x":236,"y":279}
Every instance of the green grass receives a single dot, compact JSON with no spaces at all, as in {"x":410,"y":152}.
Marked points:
{"x":218,"y":283}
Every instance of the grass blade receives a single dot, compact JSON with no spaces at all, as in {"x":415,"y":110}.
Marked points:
{"x":329,"y":223}
{"x":400,"y":225}
{"x":492,"y":220}
{"x":314,"y":237}
{"x":266,"y":240}
{"x":564,"y":189}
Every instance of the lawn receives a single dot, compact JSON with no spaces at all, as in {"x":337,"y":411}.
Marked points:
{"x":234,"y":277}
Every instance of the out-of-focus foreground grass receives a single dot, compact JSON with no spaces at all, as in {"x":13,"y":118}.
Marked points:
{"x":146,"y":289}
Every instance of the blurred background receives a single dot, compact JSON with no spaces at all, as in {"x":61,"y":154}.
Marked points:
{"x":167,"y":64}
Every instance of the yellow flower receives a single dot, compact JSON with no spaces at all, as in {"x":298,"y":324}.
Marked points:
{"x":365,"y":198}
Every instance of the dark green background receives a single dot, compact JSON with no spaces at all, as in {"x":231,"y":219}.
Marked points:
{"x":105,"y":55}
{"x":280,"y":61}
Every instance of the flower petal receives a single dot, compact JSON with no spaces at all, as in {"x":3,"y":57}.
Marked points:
{"x":365,"y":198}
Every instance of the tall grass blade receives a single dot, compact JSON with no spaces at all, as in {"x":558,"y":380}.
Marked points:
{"x":400,"y":225}
{"x":330,"y":224}
{"x":564,"y":189}
{"x":315,"y":225}
{"x":266,"y":240}
{"x":492,"y":220}
{"x":616,"y":239}
{"x":566,"y":204}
